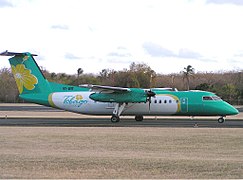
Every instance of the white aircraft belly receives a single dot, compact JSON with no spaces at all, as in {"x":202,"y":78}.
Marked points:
{"x":81,"y":103}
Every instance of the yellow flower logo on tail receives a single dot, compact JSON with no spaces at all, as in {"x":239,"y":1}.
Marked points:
{"x":24,"y":78}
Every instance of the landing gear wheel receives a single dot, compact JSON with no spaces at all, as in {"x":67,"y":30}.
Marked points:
{"x":221,"y":120}
{"x":139,"y":118}
{"x":115,"y":118}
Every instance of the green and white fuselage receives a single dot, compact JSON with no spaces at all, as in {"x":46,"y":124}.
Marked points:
{"x":107,"y":100}
{"x":188,"y":103}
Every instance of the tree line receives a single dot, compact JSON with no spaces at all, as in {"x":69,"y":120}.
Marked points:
{"x":227,"y":85}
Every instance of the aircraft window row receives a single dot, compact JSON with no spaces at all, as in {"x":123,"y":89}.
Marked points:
{"x":165,"y":101}
{"x":211,"y":98}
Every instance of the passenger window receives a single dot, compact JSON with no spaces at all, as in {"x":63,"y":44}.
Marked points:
{"x":155,"y":101}
{"x":170,"y":101}
{"x":165,"y":101}
{"x":177,"y":101}
{"x":160,"y":101}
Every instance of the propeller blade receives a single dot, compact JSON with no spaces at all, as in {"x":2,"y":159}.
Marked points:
{"x":149,"y":104}
{"x":150,"y":94}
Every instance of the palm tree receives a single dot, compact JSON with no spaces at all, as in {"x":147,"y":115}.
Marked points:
{"x":187,"y":72}
{"x":80,"y":71}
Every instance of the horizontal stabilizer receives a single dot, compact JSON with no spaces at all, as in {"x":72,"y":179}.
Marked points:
{"x":6,"y":53}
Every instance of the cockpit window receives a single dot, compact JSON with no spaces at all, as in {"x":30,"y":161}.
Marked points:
{"x":207,"y":98}
{"x":216,"y":98}
{"x":211,"y":98}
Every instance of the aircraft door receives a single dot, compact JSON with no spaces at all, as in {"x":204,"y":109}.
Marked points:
{"x":110,"y":105}
{"x":184,"y":104}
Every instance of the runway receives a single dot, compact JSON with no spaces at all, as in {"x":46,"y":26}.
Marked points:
{"x":104,"y":122}
{"x":58,"y":118}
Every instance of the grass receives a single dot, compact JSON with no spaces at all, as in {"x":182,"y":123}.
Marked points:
{"x":46,"y":152}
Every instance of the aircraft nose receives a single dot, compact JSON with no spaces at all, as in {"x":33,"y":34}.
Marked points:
{"x":230,"y":110}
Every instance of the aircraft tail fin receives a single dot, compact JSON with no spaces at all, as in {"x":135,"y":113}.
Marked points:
{"x":31,"y":83}
{"x":27,"y":74}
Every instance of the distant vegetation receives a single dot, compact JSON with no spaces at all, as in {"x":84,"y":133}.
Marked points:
{"x":227,"y":85}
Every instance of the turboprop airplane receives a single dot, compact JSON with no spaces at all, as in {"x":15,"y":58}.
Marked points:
{"x":108,"y":100}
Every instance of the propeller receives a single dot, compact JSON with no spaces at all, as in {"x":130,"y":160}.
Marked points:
{"x":150,"y":94}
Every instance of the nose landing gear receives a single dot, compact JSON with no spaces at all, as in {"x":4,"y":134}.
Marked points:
{"x":221,"y":119}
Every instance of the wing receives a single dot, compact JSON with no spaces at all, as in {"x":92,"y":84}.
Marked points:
{"x":118,"y":94}
{"x":104,"y":89}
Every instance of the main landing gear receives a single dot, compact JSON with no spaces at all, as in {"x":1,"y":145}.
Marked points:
{"x":139,"y":117}
{"x":115,"y":118}
{"x":221,"y":119}
{"x":119,"y":107}
{"x":117,"y":112}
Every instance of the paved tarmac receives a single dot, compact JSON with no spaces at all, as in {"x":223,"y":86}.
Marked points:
{"x":36,"y":115}
{"x":104,"y":122}
{"x":27,"y":107}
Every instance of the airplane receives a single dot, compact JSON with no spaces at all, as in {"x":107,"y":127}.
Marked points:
{"x":115,"y":101}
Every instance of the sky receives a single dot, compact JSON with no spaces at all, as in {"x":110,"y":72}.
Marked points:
{"x":167,"y":35}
